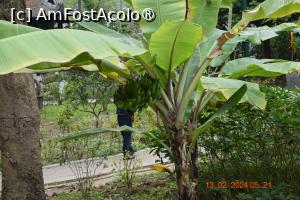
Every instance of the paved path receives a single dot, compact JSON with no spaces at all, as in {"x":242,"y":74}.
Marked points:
{"x":55,"y":174}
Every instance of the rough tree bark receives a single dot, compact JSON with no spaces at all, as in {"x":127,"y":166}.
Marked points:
{"x":22,"y":177}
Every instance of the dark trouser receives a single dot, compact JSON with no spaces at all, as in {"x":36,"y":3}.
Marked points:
{"x":124,"y":120}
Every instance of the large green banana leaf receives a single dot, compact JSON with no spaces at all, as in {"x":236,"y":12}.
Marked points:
{"x":269,"y":9}
{"x":165,"y":10}
{"x":92,"y":132}
{"x":227,"y":49}
{"x":255,"y":36}
{"x":147,"y":61}
{"x":113,"y":35}
{"x":60,"y":49}
{"x":174,"y":42}
{"x":192,"y":73}
{"x":259,"y":34}
{"x":225,"y":88}
{"x":204,"y":49}
{"x":273,"y":10}
{"x":254,"y":67}
{"x":200,"y":54}
{"x":205,"y":13}
{"x":11,"y":30}
{"x":8,"y":29}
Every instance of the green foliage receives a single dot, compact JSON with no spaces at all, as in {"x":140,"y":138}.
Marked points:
{"x":145,"y":118}
{"x":281,"y":47}
{"x":89,"y":158}
{"x":65,"y":118}
{"x":85,"y":55}
{"x":52,"y":93}
{"x":126,"y":170}
{"x":52,"y":112}
{"x":280,"y":192}
{"x":246,"y":67}
{"x":97,"y":4}
{"x":75,"y":195}
{"x":156,"y":140}
{"x":229,"y":104}
{"x":12,"y":31}
{"x":165,"y":10}
{"x":145,"y":187}
{"x":51,"y":149}
{"x":228,"y":3}
{"x":248,"y":144}
{"x":89,"y":89}
{"x":137,"y":94}
{"x":91,"y":92}
{"x":171,"y":52}
{"x":93,"y":132}
{"x":205,"y":13}
{"x":253,"y":93}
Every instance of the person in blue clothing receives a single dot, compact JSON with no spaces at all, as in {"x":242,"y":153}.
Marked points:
{"x":126,"y":118}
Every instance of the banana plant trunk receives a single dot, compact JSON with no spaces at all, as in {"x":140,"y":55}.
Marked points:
{"x":184,"y":167}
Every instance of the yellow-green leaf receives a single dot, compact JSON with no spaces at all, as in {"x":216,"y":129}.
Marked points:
{"x":174,"y":42}
{"x":165,"y":10}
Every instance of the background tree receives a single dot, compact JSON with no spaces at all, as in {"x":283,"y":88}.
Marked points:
{"x":19,"y":131}
{"x":90,"y":92}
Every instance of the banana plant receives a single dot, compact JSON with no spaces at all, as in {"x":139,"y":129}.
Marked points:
{"x":177,"y":50}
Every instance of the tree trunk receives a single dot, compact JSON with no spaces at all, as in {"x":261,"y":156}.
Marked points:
{"x":186,"y":182}
{"x":19,"y":139}
{"x":22,"y":177}
{"x":96,"y":123}
{"x":96,"y":120}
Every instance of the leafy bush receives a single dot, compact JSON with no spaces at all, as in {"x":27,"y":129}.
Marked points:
{"x":249,"y":144}
{"x":280,"y":192}
{"x":155,"y":139}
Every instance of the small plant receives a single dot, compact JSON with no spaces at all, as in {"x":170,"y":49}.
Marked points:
{"x":126,"y":170}
{"x":84,"y":163}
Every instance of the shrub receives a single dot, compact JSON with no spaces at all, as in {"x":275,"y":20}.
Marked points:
{"x":247,"y":144}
